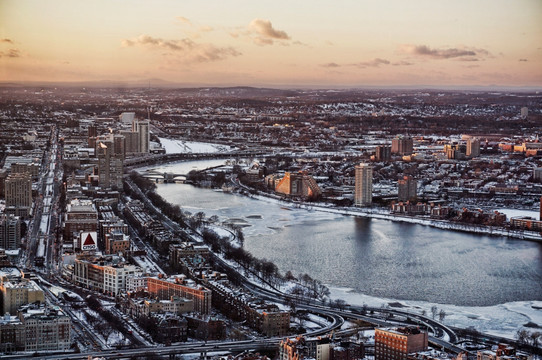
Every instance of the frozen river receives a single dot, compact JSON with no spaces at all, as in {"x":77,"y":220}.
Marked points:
{"x":366,"y":259}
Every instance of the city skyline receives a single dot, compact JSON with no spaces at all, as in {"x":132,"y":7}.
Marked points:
{"x":304,"y":44}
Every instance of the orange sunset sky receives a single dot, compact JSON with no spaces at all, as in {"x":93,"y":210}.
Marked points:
{"x":274,"y":43}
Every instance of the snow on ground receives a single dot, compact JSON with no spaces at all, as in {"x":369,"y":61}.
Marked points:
{"x":147,"y":265}
{"x":181,"y":146}
{"x":222,"y":232}
{"x":513,"y":212}
{"x":499,"y":320}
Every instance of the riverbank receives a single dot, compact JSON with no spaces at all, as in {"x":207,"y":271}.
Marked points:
{"x":382,"y":214}
{"x":434,"y":268}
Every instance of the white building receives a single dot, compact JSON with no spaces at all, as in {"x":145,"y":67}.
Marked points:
{"x":127,"y":117}
{"x":115,"y":277}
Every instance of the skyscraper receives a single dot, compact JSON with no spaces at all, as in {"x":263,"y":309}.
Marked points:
{"x":383,"y":153}
{"x":10,"y":232}
{"x":18,"y":190}
{"x":407,"y":188}
{"x":473,"y":147}
{"x":142,"y":128}
{"x":363,"y":194}
{"x":402,"y":145}
{"x":110,"y":165}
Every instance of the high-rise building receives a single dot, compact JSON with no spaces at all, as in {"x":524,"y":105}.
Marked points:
{"x":92,"y":134}
{"x":110,"y":165}
{"x":142,"y":128}
{"x":127,"y":117}
{"x":407,"y":188}
{"x":383,"y":153}
{"x":18,"y":188}
{"x":524,"y":112}
{"x":402,"y":145}
{"x":10,"y":232}
{"x":473,"y":147}
{"x":396,"y":344}
{"x":363,"y":194}
{"x":131,"y":142}
{"x":119,"y":145}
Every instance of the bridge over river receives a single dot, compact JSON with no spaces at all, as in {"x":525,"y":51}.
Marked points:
{"x":165,"y":158}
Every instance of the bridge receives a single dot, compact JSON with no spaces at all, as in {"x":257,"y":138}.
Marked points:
{"x":166,"y":176}
{"x":169,"y":177}
{"x":153,"y":159}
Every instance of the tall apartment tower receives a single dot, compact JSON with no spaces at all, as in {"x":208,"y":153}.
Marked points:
{"x":142,"y":128}
{"x":383,"y":153}
{"x":18,"y":189}
{"x":407,"y":187}
{"x":110,"y":165}
{"x":131,"y":142}
{"x":402,"y":145}
{"x":473,"y":147}
{"x":92,"y":134}
{"x":10,"y":232}
{"x":363,"y":194}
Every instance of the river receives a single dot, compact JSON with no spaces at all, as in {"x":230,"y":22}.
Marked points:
{"x":378,"y":258}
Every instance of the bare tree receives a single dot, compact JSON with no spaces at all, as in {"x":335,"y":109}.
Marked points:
{"x":105,"y":329}
{"x":535,"y":335}
{"x":522,"y":336}
{"x":441,"y":315}
{"x":434,"y":311}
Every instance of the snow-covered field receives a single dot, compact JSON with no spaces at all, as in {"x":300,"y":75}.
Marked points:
{"x":499,"y":320}
{"x":181,"y":146}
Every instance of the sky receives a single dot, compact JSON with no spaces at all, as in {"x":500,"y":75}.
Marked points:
{"x":343,"y":43}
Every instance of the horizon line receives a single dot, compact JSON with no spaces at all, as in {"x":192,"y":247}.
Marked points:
{"x":159,"y":83}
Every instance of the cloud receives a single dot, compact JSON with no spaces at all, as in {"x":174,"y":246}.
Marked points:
{"x":9,"y":41}
{"x":11,"y":53}
{"x":523,"y":60}
{"x":402,"y":63}
{"x":183,"y":20}
{"x":373,"y":63}
{"x":184,"y":49}
{"x":205,"y":28}
{"x":331,"y":65}
{"x":463,"y":53}
{"x":265,"y":33}
{"x":264,"y":28}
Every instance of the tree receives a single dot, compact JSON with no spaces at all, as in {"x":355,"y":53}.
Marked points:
{"x":535,"y":335}
{"x":522,"y":335}
{"x":105,"y":329}
{"x":434,"y":311}
{"x":289,"y":276}
{"x":441,"y":315}
{"x":339,"y":304}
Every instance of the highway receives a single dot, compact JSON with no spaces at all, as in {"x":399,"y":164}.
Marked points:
{"x":187,"y":348}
